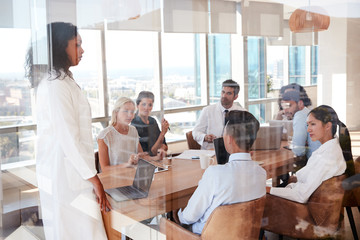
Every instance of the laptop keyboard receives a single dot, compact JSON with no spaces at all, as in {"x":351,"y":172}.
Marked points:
{"x":130,"y":192}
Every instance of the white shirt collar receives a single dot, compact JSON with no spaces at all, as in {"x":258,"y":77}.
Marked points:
{"x":223,"y":109}
{"x":240,"y":156}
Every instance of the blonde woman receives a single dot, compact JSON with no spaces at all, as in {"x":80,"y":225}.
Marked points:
{"x":119,"y":143}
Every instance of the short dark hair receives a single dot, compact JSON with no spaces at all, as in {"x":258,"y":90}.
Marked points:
{"x":144,"y":94}
{"x":243,"y":127}
{"x":231,"y":83}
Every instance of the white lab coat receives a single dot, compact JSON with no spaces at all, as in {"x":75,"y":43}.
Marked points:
{"x":65,"y":160}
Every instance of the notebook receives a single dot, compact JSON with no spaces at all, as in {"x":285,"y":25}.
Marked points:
{"x":222,"y":156}
{"x":287,"y":127}
{"x":268,"y":138}
{"x":141,"y":184}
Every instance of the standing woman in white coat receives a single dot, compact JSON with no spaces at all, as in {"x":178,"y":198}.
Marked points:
{"x":65,"y":166}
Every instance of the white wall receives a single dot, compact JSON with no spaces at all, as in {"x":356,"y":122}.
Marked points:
{"x":353,"y":74}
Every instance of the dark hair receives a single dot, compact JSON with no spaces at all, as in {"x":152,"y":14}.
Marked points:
{"x":327,"y":114}
{"x":58,"y":35}
{"x":294,"y":86}
{"x":231,"y":83}
{"x":144,"y":94}
{"x":243,"y":127}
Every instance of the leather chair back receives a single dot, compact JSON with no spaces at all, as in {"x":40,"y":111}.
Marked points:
{"x":326,"y":202}
{"x":234,"y":221}
{"x":192,"y":144}
{"x":318,"y":218}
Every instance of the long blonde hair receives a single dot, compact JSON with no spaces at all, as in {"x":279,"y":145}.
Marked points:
{"x":119,"y":103}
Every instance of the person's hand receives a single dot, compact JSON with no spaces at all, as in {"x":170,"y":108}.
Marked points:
{"x":100,"y":194}
{"x":292,"y":179}
{"x":280,"y":115}
{"x":161,"y":153}
{"x":133,"y":160}
{"x":175,"y":216}
{"x":164,"y":126}
{"x":209,"y":138}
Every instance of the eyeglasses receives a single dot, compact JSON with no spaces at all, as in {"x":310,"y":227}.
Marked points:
{"x":132,"y":112}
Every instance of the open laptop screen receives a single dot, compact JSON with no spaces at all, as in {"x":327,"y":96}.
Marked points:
{"x":144,"y":175}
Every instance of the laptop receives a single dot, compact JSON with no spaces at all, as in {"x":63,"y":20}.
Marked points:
{"x":287,"y":127}
{"x":222,"y":156}
{"x":268,"y":138}
{"x":141,"y":184}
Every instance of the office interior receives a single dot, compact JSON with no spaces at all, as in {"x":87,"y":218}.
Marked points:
{"x":181,"y":50}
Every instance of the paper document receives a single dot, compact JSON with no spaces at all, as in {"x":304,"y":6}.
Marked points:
{"x":195,"y":154}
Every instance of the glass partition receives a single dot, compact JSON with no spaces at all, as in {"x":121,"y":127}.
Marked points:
{"x":181,"y":50}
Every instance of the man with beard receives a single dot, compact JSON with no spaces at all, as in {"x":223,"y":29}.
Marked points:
{"x":211,"y":122}
{"x":295,"y":109}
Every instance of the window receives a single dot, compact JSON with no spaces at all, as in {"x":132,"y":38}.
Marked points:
{"x":297,"y":65}
{"x":88,"y":73}
{"x":181,"y":87}
{"x":180,"y":123}
{"x":314,"y":64}
{"x":16,"y":99}
{"x":256,"y":74}
{"x":132,"y":65}
{"x":219,"y":46}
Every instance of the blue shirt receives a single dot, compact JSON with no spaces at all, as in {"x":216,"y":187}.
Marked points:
{"x":301,"y":137}
{"x":239,"y":180}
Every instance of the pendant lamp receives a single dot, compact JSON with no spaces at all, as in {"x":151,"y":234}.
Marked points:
{"x":309,"y":19}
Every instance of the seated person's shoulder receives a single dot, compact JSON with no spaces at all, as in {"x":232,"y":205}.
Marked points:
{"x":104,"y":132}
{"x":152,"y":120}
{"x":136,"y":120}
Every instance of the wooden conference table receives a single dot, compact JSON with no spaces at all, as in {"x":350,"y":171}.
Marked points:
{"x":172,"y":189}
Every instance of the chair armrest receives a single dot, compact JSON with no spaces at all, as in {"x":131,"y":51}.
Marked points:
{"x":174,"y":231}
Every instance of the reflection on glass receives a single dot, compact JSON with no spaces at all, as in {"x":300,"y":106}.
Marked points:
{"x":219,"y":63}
{"x":17,"y":147}
{"x":180,"y":70}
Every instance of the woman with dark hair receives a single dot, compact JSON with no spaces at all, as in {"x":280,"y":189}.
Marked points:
{"x":151,"y":138}
{"x":327,"y":161}
{"x":65,"y":164}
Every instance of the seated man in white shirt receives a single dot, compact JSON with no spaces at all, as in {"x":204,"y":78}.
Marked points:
{"x":211,"y":122}
{"x":239,"y":180}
